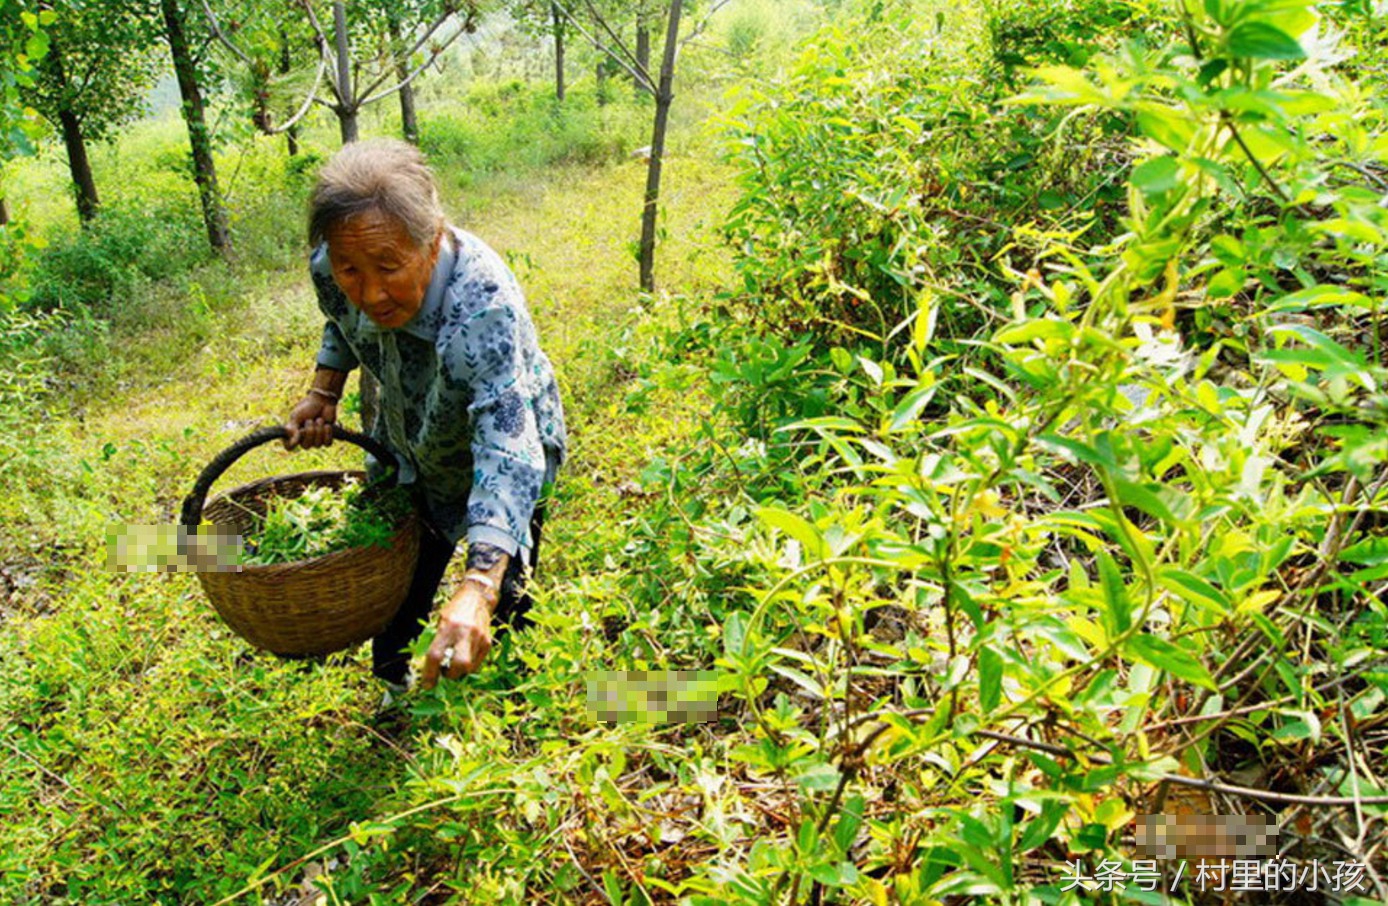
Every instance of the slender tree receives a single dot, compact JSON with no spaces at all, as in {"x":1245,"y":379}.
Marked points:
{"x":93,"y":78}
{"x":271,"y":58}
{"x":540,"y":19}
{"x":355,"y":81}
{"x":291,"y":133}
{"x":664,"y":96}
{"x":195,"y":118}
{"x":601,"y":28}
{"x":643,"y":42}
{"x":409,"y":122}
{"x":367,"y":50}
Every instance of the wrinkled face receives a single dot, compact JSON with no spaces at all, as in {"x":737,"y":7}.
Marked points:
{"x":376,"y":263}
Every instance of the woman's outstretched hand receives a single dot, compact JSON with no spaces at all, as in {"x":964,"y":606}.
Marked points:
{"x":310,"y":424}
{"x":464,"y":636}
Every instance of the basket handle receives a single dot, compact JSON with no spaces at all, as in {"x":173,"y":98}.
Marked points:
{"x":192,"y":504}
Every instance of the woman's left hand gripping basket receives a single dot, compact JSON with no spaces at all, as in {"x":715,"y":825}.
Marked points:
{"x":311,"y":606}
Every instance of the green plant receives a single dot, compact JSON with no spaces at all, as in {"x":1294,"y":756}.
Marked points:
{"x":322,"y":520}
{"x":1117,"y":530}
{"x":881,"y":167}
{"x":107,"y":267}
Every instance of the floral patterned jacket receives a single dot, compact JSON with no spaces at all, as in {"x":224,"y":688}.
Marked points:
{"x":468,"y":401}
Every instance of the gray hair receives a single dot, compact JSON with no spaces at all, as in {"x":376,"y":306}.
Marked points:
{"x":382,"y":175}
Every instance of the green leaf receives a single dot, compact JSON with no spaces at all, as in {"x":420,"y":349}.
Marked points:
{"x":989,"y":680}
{"x":1152,"y":502}
{"x":840,"y":875}
{"x":1322,"y":296}
{"x":801,"y":679}
{"x":1227,"y":283}
{"x":850,"y":819}
{"x":613,"y":888}
{"x":871,"y":369}
{"x":797,"y":527}
{"x":1116,"y":601}
{"x":817,"y":778}
{"x":37,"y":45}
{"x":910,"y":408}
{"x":1158,"y":175}
{"x":1036,"y":329}
{"x":734,"y":635}
{"x":1040,"y":829}
{"x":1166,"y":125}
{"x":1078,"y":449}
{"x":1308,"y":726}
{"x":1317,"y":340}
{"x":1369,"y":552}
{"x":1163,"y":655}
{"x":1193,"y":589}
{"x":1260,"y":41}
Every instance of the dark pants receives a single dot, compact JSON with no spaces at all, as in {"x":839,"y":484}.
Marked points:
{"x":389,"y":660}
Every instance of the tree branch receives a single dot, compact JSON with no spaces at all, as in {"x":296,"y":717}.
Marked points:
{"x":1253,"y":159}
{"x":388,"y":70}
{"x":422,"y":66}
{"x":602,"y":21}
{"x":643,"y":79}
{"x":323,"y":44}
{"x":703,"y":23}
{"x":308,"y":102}
{"x":221,"y":36}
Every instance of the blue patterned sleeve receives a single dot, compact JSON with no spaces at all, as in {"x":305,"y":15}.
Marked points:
{"x":334,"y":351}
{"x":488,"y":355}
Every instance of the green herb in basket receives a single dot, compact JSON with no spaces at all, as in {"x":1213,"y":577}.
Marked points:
{"x":323,"y":520}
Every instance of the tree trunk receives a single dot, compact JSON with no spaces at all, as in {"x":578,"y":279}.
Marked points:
{"x":643,"y":39}
{"x":346,"y":108}
{"x":409,"y":122}
{"x":664,"y":95}
{"x":291,"y":135}
{"x":346,"y":111}
{"x":558,"y":51}
{"x":347,"y":125}
{"x":78,"y":165}
{"x":84,"y":187}
{"x":4,"y":213}
{"x":194,"y":116}
{"x":600,"y":76}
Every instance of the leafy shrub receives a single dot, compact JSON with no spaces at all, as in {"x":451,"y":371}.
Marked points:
{"x":878,"y":169}
{"x":1025,"y":33}
{"x":22,"y":366}
{"x":105,"y":267}
{"x":511,"y":125}
{"x":1124,"y":507}
{"x":744,"y":34}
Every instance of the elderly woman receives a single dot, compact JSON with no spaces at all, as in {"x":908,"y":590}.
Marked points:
{"x":467,"y":401}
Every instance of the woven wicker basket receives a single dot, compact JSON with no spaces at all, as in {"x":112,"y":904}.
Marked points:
{"x":308,"y":607}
